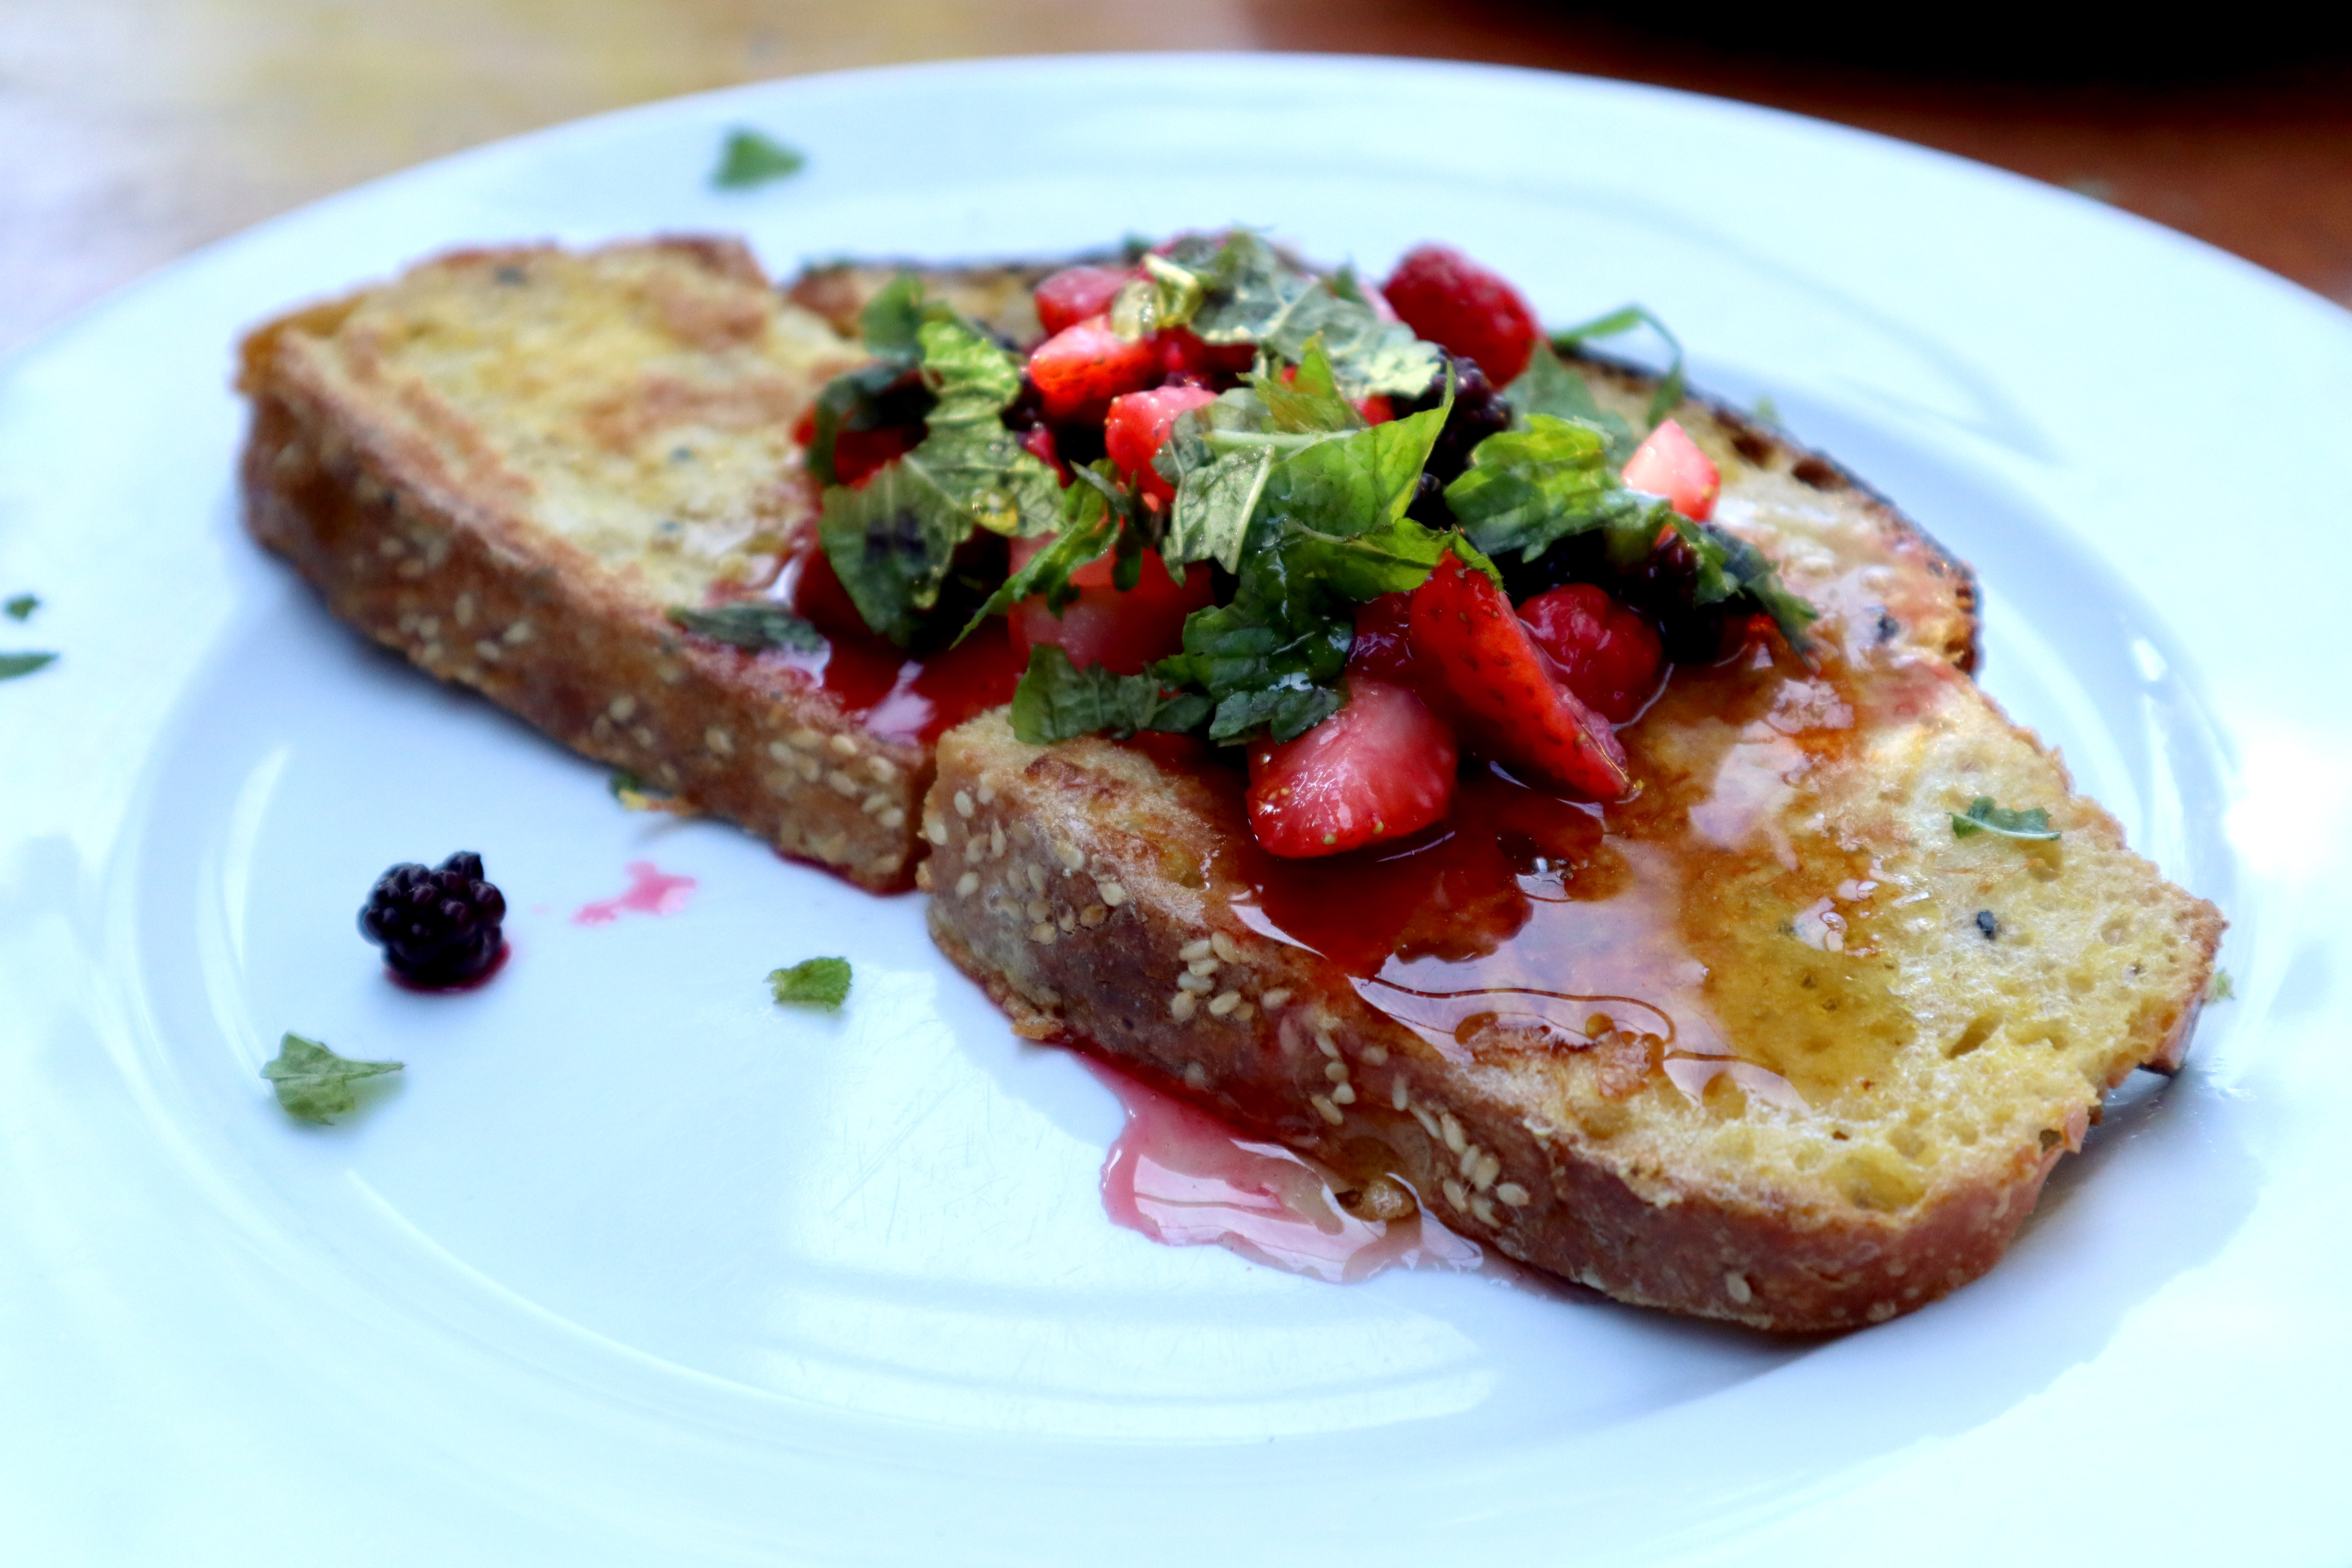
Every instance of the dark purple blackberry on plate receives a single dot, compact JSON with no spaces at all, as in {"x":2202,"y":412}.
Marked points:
{"x":439,"y":927}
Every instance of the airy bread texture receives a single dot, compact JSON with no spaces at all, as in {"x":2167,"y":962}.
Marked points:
{"x":510,"y":464}
{"x":1769,"y":1043}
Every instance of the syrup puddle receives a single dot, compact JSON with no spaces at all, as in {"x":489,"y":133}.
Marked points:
{"x":1181,"y":1177}
{"x":652,"y":891}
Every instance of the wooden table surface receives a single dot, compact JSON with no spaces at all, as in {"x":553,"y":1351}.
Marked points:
{"x":132,"y":130}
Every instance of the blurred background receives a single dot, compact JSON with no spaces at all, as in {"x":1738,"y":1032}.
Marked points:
{"x":133,"y":131}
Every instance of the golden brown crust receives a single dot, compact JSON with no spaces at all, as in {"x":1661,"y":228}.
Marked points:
{"x":408,"y":521}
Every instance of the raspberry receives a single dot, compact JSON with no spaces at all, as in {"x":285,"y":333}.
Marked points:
{"x":437,"y":927}
{"x":1456,"y":303}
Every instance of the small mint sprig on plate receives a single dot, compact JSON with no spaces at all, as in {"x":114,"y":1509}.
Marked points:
{"x":751,"y":158}
{"x":812,"y":983}
{"x":2032,"y":824}
{"x":313,"y":1083}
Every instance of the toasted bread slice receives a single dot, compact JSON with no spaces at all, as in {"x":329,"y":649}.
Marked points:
{"x":510,"y":465}
{"x":1769,"y":1043}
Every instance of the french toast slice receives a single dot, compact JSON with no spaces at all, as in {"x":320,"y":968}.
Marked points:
{"x":1770,"y":1042}
{"x":511,"y":465}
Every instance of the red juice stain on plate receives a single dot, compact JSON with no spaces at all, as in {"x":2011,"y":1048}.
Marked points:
{"x":652,"y":891}
{"x":1181,"y":1177}
{"x":896,"y":697}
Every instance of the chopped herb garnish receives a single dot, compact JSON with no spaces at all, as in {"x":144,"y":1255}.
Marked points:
{"x":1550,"y":386}
{"x":21,"y":607}
{"x":892,"y":542}
{"x":1625,"y":320}
{"x":813,"y":982}
{"x":751,"y":625}
{"x":751,"y":158}
{"x":1056,"y":701}
{"x":2223,"y":988}
{"x":1091,"y":526}
{"x":13,"y":665}
{"x":1249,"y":295}
{"x":313,"y":1083}
{"x":1764,"y":411}
{"x":638,"y":795}
{"x":1983,"y":816}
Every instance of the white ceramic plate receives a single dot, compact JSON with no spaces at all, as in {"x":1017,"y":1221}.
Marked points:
{"x":629,"y":1266}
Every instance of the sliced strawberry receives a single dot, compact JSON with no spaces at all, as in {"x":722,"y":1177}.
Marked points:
{"x":1187,"y":359}
{"x":1383,"y":644}
{"x":1670,"y":464}
{"x":1507,"y":698}
{"x":1121,"y":632}
{"x":1038,"y":442}
{"x":1081,"y":368}
{"x":1461,"y":307}
{"x":1137,"y":427}
{"x":1609,"y":655}
{"x":1381,"y":767}
{"x":1074,"y":293}
{"x":858,"y":454}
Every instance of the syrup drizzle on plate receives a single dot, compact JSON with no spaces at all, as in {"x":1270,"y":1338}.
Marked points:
{"x":651,"y":891}
{"x":1184,"y":1179}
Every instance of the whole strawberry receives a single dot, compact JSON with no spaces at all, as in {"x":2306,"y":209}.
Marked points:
{"x":1461,"y":307}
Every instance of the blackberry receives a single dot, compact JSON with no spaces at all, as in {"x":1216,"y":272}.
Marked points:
{"x":1479,"y":411}
{"x":439,"y":927}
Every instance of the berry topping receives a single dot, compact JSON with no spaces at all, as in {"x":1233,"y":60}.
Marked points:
{"x":1478,"y":412}
{"x":1187,"y":359}
{"x":1123,"y":631}
{"x":1503,"y":692}
{"x":859,"y":454}
{"x":1081,"y":368}
{"x":1608,"y":655}
{"x":1137,"y":427}
{"x":439,"y":927}
{"x":1670,"y":464}
{"x":1383,"y":644}
{"x":1074,"y":293}
{"x":1381,"y":767}
{"x":1456,"y":303}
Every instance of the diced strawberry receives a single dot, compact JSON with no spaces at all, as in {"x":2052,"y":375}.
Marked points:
{"x":1184,"y":357}
{"x":1670,"y":464}
{"x":805,"y":427}
{"x":1121,"y":632}
{"x":1610,"y":656}
{"x":1383,"y":644}
{"x":1081,"y":368}
{"x":1074,"y":293}
{"x":1456,"y":303}
{"x":858,"y":454}
{"x":1377,"y":409}
{"x":1137,"y":427}
{"x":1381,"y":767}
{"x":1038,"y":442}
{"x":1506,"y":698}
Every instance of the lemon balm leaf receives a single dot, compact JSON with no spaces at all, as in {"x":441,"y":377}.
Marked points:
{"x":2032,"y":824}
{"x":812,"y":983}
{"x":313,"y":1083}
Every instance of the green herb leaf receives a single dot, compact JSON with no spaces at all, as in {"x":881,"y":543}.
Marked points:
{"x":1550,"y":386}
{"x":754,"y":626}
{"x":1091,"y":526}
{"x":814,"y":981}
{"x":1764,"y":411}
{"x":1167,"y":296}
{"x":313,"y":1083}
{"x":1216,"y":491}
{"x":1251,"y":296}
{"x":892,"y":321}
{"x":1056,"y":701}
{"x":751,"y":158}
{"x":1526,"y":490}
{"x":21,"y":607}
{"x":13,"y":665}
{"x":1728,"y":564}
{"x":1983,"y":816}
{"x":2223,"y":988}
{"x":891,"y":541}
{"x":1625,"y":320}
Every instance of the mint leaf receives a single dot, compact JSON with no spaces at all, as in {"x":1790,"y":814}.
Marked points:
{"x":1056,"y":701}
{"x":313,"y":1083}
{"x":1548,"y":387}
{"x":1309,"y":402}
{"x":1526,"y":490}
{"x":1625,"y":318}
{"x":752,"y":624}
{"x":2223,"y":988}
{"x":1089,"y":529}
{"x":751,"y":158}
{"x":1252,"y":296}
{"x":1984,"y":816}
{"x":892,"y":321}
{"x":21,"y":607}
{"x":891,"y":541}
{"x":1216,"y":491}
{"x":1728,"y":565}
{"x":813,"y":982}
{"x":13,"y":665}
{"x":1168,"y":295}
